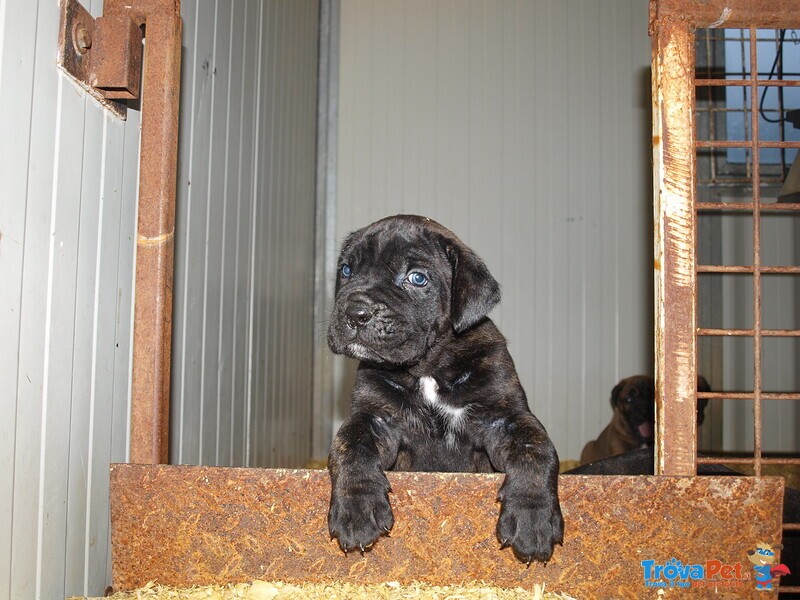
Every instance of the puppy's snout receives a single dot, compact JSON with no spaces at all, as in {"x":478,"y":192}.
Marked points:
{"x":358,"y":314}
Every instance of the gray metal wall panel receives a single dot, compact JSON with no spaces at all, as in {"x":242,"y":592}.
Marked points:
{"x":243,"y":334}
{"x":68,"y":189}
{"x":66,"y":260}
{"x":524,"y":127}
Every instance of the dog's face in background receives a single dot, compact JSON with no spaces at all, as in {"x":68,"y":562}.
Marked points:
{"x":633,"y":421}
{"x":403,"y":283}
{"x":634,"y":399}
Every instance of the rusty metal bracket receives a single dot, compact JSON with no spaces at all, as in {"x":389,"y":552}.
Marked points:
{"x":103,"y":55}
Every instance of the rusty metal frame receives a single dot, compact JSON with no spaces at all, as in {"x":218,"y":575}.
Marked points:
{"x":672,"y":28}
{"x":152,"y":335}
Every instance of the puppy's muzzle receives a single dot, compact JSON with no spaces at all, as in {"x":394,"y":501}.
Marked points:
{"x":359,"y":312}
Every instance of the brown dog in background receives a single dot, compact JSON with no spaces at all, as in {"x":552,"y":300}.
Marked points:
{"x":633,"y":422}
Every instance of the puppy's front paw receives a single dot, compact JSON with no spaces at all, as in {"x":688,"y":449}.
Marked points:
{"x":358,"y":519}
{"x":532,"y":525}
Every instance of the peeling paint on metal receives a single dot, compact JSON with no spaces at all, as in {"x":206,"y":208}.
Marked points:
{"x":726,"y":13}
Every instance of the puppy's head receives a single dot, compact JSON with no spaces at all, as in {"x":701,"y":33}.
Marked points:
{"x":402,"y":283}
{"x":634,"y":398}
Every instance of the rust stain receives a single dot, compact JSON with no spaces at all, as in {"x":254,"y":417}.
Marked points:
{"x":235,"y":525}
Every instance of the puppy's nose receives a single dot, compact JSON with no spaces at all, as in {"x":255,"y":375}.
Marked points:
{"x":358,"y":314}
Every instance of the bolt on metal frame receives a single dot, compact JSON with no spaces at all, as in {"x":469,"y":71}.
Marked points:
{"x":673,"y":24}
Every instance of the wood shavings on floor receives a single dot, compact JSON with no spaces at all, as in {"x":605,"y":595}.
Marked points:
{"x":263,"y":590}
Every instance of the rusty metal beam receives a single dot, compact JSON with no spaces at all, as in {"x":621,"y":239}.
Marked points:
{"x":152,"y":336}
{"x":697,"y":14}
{"x":675,"y":235}
{"x":184,"y":526}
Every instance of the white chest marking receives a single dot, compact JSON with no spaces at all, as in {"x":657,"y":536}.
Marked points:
{"x":454,"y":417}
{"x":430,"y":389}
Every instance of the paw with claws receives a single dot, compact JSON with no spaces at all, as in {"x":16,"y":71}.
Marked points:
{"x":358,"y":517}
{"x":531,"y":525}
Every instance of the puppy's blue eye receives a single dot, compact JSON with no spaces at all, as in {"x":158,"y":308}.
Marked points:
{"x":346,"y":271}
{"x":416,"y":278}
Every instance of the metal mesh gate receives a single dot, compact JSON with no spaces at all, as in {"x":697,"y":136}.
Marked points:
{"x":721,"y":154}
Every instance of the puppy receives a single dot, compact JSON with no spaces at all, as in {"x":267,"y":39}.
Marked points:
{"x":435,"y":390}
{"x":633,"y":422}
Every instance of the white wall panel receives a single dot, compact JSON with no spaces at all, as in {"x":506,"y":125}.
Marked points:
{"x":243,"y":329}
{"x":524,"y":127}
{"x":67,"y":188}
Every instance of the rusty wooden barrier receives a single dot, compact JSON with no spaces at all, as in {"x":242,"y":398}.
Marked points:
{"x":185,"y":526}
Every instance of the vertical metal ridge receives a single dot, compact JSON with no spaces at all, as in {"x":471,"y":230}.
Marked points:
{"x":254,"y":214}
{"x":95,"y":335}
{"x":206,"y":247}
{"x":757,"y":346}
{"x":283,"y":219}
{"x":224,"y":252}
{"x":271,"y":428}
{"x":184,"y":312}
{"x":47,"y":342}
{"x":323,"y":397}
{"x":238,"y":277}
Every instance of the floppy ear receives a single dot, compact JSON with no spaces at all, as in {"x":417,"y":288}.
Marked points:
{"x":474,"y":292}
{"x":615,"y":392}
{"x":702,"y":386}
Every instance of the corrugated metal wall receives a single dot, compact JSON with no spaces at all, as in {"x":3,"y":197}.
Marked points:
{"x":244,"y":287}
{"x":524,"y":127}
{"x":68,"y":178}
{"x":244,"y":262}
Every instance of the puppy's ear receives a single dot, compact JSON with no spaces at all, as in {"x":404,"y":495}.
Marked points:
{"x":702,"y":386}
{"x":474,"y":291}
{"x":615,"y":393}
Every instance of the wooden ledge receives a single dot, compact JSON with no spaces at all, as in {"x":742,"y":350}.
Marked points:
{"x":184,"y":526}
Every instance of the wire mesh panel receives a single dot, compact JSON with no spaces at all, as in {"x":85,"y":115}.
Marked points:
{"x":726,"y":97}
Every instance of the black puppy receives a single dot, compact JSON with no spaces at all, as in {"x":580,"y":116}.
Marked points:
{"x":436,"y":389}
